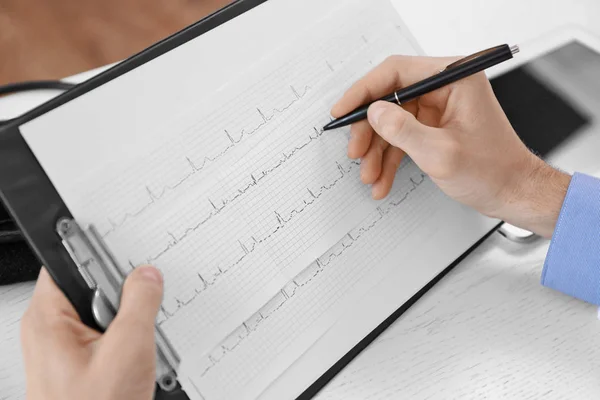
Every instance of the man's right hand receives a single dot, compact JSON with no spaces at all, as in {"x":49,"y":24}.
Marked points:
{"x":460,"y":137}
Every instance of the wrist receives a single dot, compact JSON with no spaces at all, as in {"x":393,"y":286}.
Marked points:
{"x":537,"y":196}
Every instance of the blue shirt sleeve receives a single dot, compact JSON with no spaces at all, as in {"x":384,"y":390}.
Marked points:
{"x":573,"y":262}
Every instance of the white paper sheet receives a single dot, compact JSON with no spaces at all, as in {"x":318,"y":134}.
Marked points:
{"x":246,"y":190}
{"x":256,"y":217}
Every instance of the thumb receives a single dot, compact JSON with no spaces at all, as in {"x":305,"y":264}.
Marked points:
{"x":140,"y":300}
{"x":399,"y":127}
{"x":130,"y":336}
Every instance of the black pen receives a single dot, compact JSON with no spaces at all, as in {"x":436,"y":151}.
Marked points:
{"x":458,"y":70}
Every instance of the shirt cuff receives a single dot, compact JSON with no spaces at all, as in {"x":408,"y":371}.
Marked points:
{"x":573,"y":262}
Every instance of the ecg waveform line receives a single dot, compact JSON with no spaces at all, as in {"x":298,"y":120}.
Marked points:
{"x":255,"y":242}
{"x":238,"y":193}
{"x":153,"y":197}
{"x":291,"y":289}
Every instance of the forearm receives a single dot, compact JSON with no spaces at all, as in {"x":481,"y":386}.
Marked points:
{"x":537,"y":199}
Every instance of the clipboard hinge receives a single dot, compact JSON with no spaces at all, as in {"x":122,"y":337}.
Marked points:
{"x":103,"y":275}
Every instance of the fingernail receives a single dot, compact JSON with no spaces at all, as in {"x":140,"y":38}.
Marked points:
{"x":333,"y":111}
{"x":363,"y":170}
{"x":376,"y":192}
{"x":151,"y":274}
{"x":375,"y":112}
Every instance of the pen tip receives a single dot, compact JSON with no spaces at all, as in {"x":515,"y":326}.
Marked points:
{"x":328,"y":126}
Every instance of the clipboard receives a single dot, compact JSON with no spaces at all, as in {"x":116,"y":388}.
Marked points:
{"x":76,"y":257}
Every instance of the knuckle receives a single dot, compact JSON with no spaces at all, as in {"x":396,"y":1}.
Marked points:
{"x":396,"y":160}
{"x":380,"y":145}
{"x":391,"y":59}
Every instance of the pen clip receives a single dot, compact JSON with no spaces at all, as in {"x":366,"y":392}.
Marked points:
{"x":513,"y":49}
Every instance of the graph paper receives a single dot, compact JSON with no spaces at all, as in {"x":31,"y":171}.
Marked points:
{"x":255,"y":353}
{"x":261,"y":226}
{"x":245,"y":189}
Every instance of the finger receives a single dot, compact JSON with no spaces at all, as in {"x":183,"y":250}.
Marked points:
{"x":370,"y":166}
{"x":394,"y":73}
{"x":361,"y":134}
{"x":130,"y":337}
{"x":48,"y":299}
{"x":401,"y":129}
{"x":392,"y":158}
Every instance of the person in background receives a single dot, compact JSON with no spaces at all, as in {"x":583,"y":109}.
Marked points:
{"x":458,"y":135}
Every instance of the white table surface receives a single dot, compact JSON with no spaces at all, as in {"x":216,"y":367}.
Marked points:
{"x":487,"y":330}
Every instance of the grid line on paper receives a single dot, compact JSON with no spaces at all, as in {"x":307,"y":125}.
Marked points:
{"x":225,"y":242}
{"x":257,"y":349}
{"x":239,"y":191}
{"x":267,"y":95}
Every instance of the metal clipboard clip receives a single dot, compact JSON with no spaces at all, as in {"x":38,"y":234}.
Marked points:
{"x":103,"y":275}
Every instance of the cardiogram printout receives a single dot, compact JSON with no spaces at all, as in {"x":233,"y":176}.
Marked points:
{"x":256,"y":217}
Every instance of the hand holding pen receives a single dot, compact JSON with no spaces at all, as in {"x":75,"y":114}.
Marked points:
{"x":457,"y":134}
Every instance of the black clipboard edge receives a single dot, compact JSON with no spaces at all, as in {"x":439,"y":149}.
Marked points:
{"x":320,"y":383}
{"x":212,"y":21}
{"x":36,"y":206}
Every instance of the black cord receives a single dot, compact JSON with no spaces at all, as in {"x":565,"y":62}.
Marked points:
{"x":32,"y":85}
